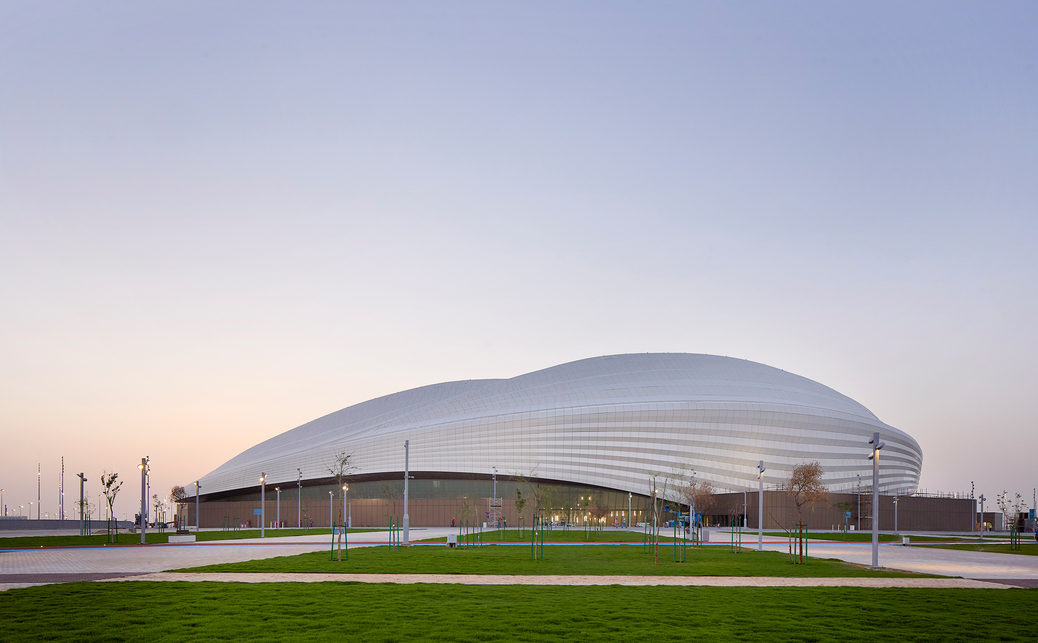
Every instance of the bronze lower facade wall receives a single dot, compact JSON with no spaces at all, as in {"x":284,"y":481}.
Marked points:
{"x":914,"y":513}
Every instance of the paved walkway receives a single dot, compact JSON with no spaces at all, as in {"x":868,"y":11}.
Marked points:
{"x":504,"y":579}
{"x":21,"y":568}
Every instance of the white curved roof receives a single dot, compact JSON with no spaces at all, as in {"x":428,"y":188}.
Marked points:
{"x":609,"y":421}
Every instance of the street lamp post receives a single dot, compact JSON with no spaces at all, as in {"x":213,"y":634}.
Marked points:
{"x":198,"y":516}
{"x":982,"y":499}
{"x":263,"y":504}
{"x":760,"y":506}
{"x":859,"y":502}
{"x":143,"y":466}
{"x":331,"y":520}
{"x":299,"y":501}
{"x":895,"y":514}
{"x":82,"y":520}
{"x":346,"y":487}
{"x":874,"y":456}
{"x":629,"y":497}
{"x":278,"y":523}
{"x":407,"y":474}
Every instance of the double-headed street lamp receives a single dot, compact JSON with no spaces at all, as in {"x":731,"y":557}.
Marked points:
{"x":760,"y":506}
{"x":874,"y":456}
{"x":299,"y":502}
{"x":263,"y":504}
{"x":143,"y":467}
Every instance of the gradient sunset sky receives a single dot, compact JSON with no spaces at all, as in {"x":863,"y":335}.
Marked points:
{"x":221,"y":220}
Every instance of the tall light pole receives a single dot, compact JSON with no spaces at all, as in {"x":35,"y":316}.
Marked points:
{"x":345,"y":488}
{"x":143,"y":466}
{"x":407,"y":475}
{"x":299,"y":502}
{"x":973,"y":523}
{"x":331,"y":520}
{"x":263,"y":504}
{"x":895,"y":514}
{"x":198,"y":516}
{"x":2,"y":501}
{"x":859,"y":502}
{"x":874,"y":456}
{"x":760,"y":506}
{"x":82,"y":520}
{"x":982,"y":499}
{"x":278,"y":489}
{"x":629,"y":497}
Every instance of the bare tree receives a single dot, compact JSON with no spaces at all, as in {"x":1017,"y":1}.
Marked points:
{"x":110,"y":488}
{"x":177,"y":495}
{"x":699,"y":496}
{"x":656,"y":497}
{"x":520,"y":503}
{"x":805,"y":486}
{"x":341,"y":467}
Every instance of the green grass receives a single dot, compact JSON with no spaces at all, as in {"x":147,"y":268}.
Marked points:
{"x":857,"y":536}
{"x":1026,"y":549}
{"x":560,"y":536}
{"x":558,"y":559}
{"x":157,"y":612}
{"x":153,"y":538}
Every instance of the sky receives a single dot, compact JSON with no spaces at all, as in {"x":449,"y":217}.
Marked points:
{"x":221,"y":220}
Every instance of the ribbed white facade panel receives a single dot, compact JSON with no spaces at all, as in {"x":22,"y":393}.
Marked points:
{"x":610,"y":421}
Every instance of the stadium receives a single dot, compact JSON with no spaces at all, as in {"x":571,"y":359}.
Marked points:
{"x":580,"y":441}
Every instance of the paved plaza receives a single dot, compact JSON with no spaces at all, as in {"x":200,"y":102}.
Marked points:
{"x":25,"y":567}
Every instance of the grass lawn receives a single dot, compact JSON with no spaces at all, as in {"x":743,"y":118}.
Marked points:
{"x":141,"y":611}
{"x":561,"y":536}
{"x":96,"y":540}
{"x":558,"y":559}
{"x":1026,"y":548}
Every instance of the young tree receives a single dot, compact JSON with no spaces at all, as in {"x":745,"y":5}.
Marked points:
{"x":805,"y":486}
{"x":177,"y":495}
{"x":341,"y":467}
{"x":699,"y":496}
{"x":656,"y":498}
{"x":110,"y":488}
{"x":520,"y":503}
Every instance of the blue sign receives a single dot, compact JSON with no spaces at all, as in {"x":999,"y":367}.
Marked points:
{"x":257,"y":512}
{"x":846,"y":514}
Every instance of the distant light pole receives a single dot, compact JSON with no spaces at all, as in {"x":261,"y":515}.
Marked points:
{"x":30,"y":511}
{"x":331,"y":521}
{"x":982,"y":499}
{"x":38,"y":487}
{"x":278,"y":489}
{"x":82,"y":519}
{"x":629,"y":497}
{"x":859,"y":502}
{"x":895,"y":514}
{"x":143,"y":466}
{"x":299,"y":502}
{"x":407,"y":520}
{"x":2,"y":501}
{"x":760,"y":506}
{"x":263,"y":504}
{"x":198,"y":516}
{"x":973,"y":523}
{"x":345,"y":488}
{"x":874,"y":456}
{"x":744,"y":508}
